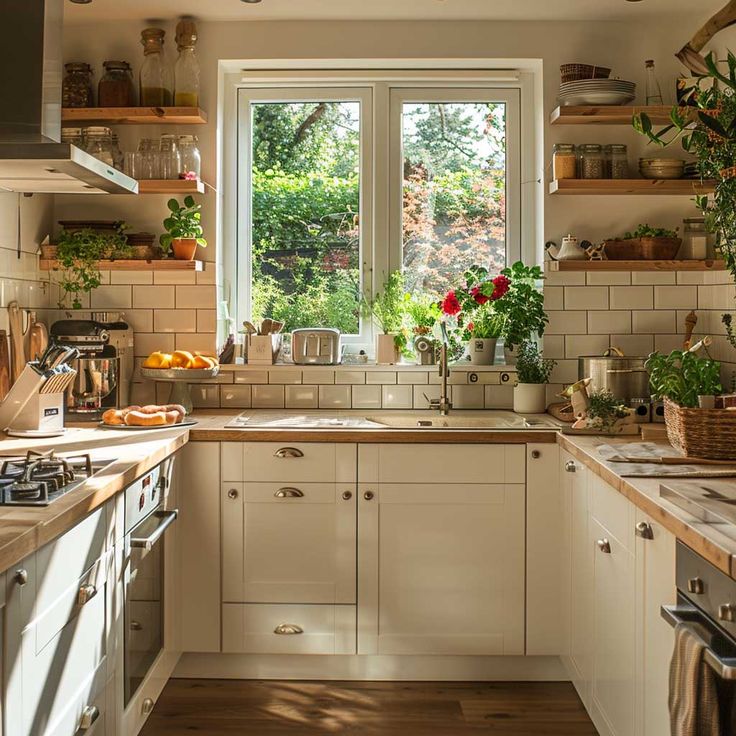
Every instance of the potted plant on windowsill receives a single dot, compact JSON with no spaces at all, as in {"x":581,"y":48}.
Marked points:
{"x":533,"y":372}
{"x":482,"y":335}
{"x":183,"y":229}
{"x":422,"y":315}
{"x":387,"y":310}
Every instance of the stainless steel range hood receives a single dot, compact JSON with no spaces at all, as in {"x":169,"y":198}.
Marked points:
{"x":31,"y":157}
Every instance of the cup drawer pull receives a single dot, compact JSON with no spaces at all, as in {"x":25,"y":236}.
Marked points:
{"x":288,"y":630}
{"x":85,"y":594}
{"x":289,"y":492}
{"x":285,"y":452}
{"x":89,"y":715}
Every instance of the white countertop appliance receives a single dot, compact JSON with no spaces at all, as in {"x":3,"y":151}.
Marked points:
{"x":316,"y":346}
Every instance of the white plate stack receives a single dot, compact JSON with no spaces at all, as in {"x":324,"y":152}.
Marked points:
{"x":597,"y":92}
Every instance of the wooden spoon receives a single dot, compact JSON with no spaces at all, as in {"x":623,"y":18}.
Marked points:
{"x":4,"y":365}
{"x":18,"y":357}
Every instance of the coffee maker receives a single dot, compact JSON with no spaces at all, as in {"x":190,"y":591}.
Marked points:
{"x":105,"y":363}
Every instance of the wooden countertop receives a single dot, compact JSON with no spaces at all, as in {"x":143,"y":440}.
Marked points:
{"x":705,"y":539}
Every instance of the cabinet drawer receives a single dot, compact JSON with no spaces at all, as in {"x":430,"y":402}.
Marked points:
{"x":252,"y":629}
{"x":613,"y":511}
{"x":447,"y":463}
{"x":85,"y":709}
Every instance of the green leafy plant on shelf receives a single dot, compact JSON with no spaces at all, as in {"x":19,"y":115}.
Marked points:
{"x":644,"y":231}
{"x":79,"y":253}
{"x":531,"y":366}
{"x":184,"y":222}
{"x":682,"y":376}
{"x":522,"y":306}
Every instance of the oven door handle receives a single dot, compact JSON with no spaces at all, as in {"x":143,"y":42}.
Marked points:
{"x":724,"y":667}
{"x":166,"y":519}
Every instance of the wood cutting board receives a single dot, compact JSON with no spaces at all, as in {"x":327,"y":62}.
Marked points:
{"x":17,"y":352}
{"x":4,"y":365}
{"x":38,"y":339}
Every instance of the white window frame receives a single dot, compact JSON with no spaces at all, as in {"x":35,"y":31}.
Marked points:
{"x":380,"y":76}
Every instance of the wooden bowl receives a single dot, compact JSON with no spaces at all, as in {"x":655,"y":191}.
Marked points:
{"x":642,"y":249}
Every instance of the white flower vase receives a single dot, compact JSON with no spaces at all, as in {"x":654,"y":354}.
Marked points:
{"x":481,"y":350}
{"x":386,"y":351}
{"x":530,"y":398}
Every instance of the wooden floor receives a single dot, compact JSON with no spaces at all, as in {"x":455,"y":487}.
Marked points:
{"x":275,"y":708}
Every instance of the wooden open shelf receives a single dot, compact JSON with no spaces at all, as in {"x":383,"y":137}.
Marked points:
{"x":170,"y":186}
{"x":134,"y":265}
{"x":134,"y":115}
{"x":630,"y":186}
{"x":635,"y":266}
{"x":608,"y":114}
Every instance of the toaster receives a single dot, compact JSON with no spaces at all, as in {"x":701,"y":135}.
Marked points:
{"x":318,"y":346}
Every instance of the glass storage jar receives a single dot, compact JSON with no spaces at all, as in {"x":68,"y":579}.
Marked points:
{"x":76,"y":89}
{"x":617,"y":161}
{"x":117,"y":154}
{"x":155,"y":76}
{"x":73,"y":136}
{"x":697,"y":243}
{"x":169,"y":157}
{"x":115,"y":88}
{"x":564,"y":161}
{"x":148,"y":159}
{"x":98,"y":143}
{"x":591,"y":161}
{"x":191,"y":161}
{"x":186,"y":69}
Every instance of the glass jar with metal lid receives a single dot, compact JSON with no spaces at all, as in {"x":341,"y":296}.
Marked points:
{"x":115,"y":88}
{"x":98,"y":143}
{"x":591,"y":165}
{"x":564,"y":161}
{"x":76,"y":89}
{"x":617,"y":161}
{"x":697,"y":243}
{"x":73,"y":136}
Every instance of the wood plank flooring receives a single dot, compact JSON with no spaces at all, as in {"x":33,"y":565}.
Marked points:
{"x":276,"y":708}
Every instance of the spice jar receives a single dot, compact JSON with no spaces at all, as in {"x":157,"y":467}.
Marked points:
{"x":191,"y":161}
{"x":76,"y":89}
{"x":591,"y":161}
{"x":617,"y":161}
{"x":697,"y":243}
{"x":98,"y":143}
{"x":115,"y":88}
{"x":186,"y":69}
{"x":564,"y":161}
{"x":155,"y":76}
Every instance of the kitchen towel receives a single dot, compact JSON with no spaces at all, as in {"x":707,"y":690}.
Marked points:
{"x":693,"y":699}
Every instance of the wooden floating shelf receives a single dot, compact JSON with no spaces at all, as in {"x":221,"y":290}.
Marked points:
{"x":635,"y":266}
{"x":170,"y":186}
{"x":134,"y":265}
{"x":608,"y":114}
{"x":134,"y":115}
{"x":630,"y":186}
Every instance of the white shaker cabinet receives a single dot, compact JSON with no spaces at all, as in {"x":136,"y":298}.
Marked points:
{"x":441,"y":549}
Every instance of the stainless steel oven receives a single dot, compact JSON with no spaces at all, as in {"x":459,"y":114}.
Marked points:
{"x":146,"y":522}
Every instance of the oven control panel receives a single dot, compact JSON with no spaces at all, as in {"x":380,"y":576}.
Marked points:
{"x":144,"y":495}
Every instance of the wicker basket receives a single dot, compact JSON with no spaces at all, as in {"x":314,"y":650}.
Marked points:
{"x":642,"y":249}
{"x":709,"y":433}
{"x":575,"y":72}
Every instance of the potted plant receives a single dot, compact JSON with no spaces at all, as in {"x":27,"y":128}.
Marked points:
{"x":522,"y":308}
{"x":533,"y":372}
{"x":606,"y":413}
{"x":422,"y":314}
{"x":684,"y":378}
{"x":183,"y":229}
{"x":645,"y":243}
{"x":387,"y":309}
{"x":482,"y":335}
{"x":79,"y":253}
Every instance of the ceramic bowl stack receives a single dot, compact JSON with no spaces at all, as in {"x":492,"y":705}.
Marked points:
{"x":662,"y":168}
{"x":597,"y":92}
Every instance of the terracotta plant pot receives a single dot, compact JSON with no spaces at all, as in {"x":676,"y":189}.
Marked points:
{"x":184,"y":248}
{"x":530,"y":398}
{"x":49,"y":252}
{"x":386,"y":351}
{"x":482,"y":350}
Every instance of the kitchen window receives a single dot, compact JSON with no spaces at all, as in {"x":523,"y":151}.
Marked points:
{"x":338,"y":186}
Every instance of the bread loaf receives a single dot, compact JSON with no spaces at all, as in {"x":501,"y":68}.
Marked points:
{"x":140,"y":419}
{"x":114,"y":416}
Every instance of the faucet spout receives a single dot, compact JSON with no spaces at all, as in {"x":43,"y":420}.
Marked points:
{"x":443,"y":404}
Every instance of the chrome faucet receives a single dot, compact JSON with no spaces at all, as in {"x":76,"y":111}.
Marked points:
{"x":443,"y":403}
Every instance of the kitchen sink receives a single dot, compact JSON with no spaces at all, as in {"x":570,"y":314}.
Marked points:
{"x":498,"y":420}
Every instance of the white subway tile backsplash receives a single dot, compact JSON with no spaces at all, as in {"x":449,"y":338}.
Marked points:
{"x":205,"y":396}
{"x":564,"y":278}
{"x":396,"y":397}
{"x":235,"y":396}
{"x":199,"y":297}
{"x":653,"y":321}
{"x":251,"y":376}
{"x":632,"y":297}
{"x":141,"y":320}
{"x":576,"y":345}
{"x":153,"y":297}
{"x":146,"y":343}
{"x":267,"y":397}
{"x":468,"y":397}
{"x":349,"y":377}
{"x":411,"y":377}
{"x":193,"y":342}
{"x":648,"y":278}
{"x":175,"y":320}
{"x":600,"y":323}
{"x":675,"y":297}
{"x":334,"y":397}
{"x":554,"y":297}
{"x":206,"y":320}
{"x":318,"y":376}
{"x":567,"y":323}
{"x":380,"y":377}
{"x":667,"y":343}
{"x":130,"y":277}
{"x":285,"y":375}
{"x":608,"y":278}
{"x":301,"y":397}
{"x":174,"y":277}
{"x":423,"y":394}
{"x":586,"y":297}
{"x":566,"y":371}
{"x":499,"y":397}
{"x":554,"y":346}
{"x":634,"y":345}
{"x":111,"y":297}
{"x":366,"y":397}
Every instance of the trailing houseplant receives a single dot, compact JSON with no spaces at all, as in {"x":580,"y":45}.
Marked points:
{"x":79,"y":253}
{"x":183,"y":229}
{"x":533,"y":372}
{"x":387,"y":309}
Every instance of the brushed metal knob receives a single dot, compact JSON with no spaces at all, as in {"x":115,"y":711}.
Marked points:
{"x":727,"y":612}
{"x":536,"y":454}
{"x":604,"y":546}
{"x":347,"y":495}
{"x":696,"y":586}
{"x":232,"y":493}
{"x":147,"y":706}
{"x":85,"y":594}
{"x":21,"y":576}
{"x":570,"y":466}
{"x":368,"y":495}
{"x":89,"y":715}
{"x":644,"y":530}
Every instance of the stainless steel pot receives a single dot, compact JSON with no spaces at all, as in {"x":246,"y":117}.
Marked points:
{"x":624,"y":376}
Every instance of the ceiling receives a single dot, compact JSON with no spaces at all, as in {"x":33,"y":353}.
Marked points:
{"x":109,"y":10}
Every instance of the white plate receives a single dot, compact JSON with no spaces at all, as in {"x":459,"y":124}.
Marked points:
{"x":179,"y":374}
{"x":596,"y":98}
{"x":186,"y":423}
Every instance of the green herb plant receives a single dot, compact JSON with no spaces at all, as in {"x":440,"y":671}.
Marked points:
{"x":531,"y":367}
{"x":422,"y":313}
{"x":605,"y":409}
{"x":522,"y":307}
{"x":682,"y":376}
{"x":644,"y":231}
{"x":487,"y":323}
{"x":183,"y":222}
{"x":388,"y":309}
{"x":79,"y":253}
